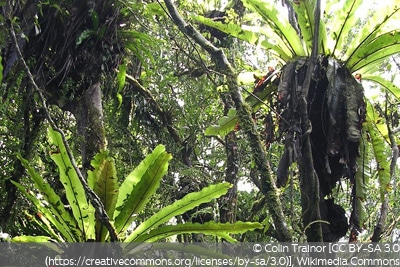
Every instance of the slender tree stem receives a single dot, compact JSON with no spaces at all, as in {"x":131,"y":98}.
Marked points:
{"x":244,"y":115}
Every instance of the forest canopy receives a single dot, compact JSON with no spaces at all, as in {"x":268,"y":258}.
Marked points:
{"x":170,"y":120}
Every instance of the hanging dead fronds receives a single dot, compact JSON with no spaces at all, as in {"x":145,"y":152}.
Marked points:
{"x":336,"y":111}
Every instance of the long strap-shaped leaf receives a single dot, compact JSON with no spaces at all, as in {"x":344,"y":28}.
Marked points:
{"x":392,"y":88}
{"x":138,"y":187}
{"x":253,"y":35}
{"x":372,"y":30}
{"x":59,"y":217}
{"x":359,"y":213}
{"x":75,"y":193}
{"x":221,"y":230}
{"x":180,"y":206}
{"x":305,"y":18}
{"x":343,"y":23}
{"x":376,"y":51}
{"x":103,"y":181}
{"x":378,"y":144}
{"x":47,"y":213}
{"x":44,"y":224}
{"x":280,"y":26}
{"x":31,"y":239}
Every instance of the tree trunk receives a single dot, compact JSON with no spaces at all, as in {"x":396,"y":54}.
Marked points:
{"x":228,"y":205}
{"x":88,"y":112}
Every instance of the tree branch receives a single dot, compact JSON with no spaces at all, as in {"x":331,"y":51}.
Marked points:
{"x":244,"y":114}
{"x":166,"y":120}
{"x":216,"y":53}
{"x":101,"y":213}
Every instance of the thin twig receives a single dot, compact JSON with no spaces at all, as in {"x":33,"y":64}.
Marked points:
{"x":268,"y":106}
{"x":200,"y":61}
{"x":164,"y":116}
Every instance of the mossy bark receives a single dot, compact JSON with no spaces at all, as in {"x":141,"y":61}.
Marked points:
{"x":268,"y":186}
{"x":88,"y":112}
{"x":228,"y":202}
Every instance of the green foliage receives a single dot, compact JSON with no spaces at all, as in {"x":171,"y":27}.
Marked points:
{"x":305,"y":18}
{"x":282,"y":29}
{"x":44,"y":211}
{"x":55,"y":212}
{"x":362,"y":46}
{"x":376,"y":41}
{"x":38,"y":239}
{"x":225,"y":125}
{"x":184,"y":83}
{"x":139,"y":186}
{"x":121,"y":82}
{"x":84,"y":35}
{"x":180,"y":206}
{"x":340,"y":31}
{"x":103,"y":180}
{"x":138,"y":43}
{"x":361,"y":187}
{"x":81,"y":209}
{"x":1,"y":70}
{"x":374,"y":51}
{"x":392,"y":88}
{"x":220,"y":230}
{"x":371,"y":178}
{"x":253,"y":34}
{"x":121,"y":203}
{"x":376,"y":128}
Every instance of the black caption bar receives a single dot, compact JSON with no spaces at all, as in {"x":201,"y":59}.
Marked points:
{"x":199,"y":254}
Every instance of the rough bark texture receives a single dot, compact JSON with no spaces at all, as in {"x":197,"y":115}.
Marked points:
{"x":88,"y":112}
{"x":228,"y":205}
